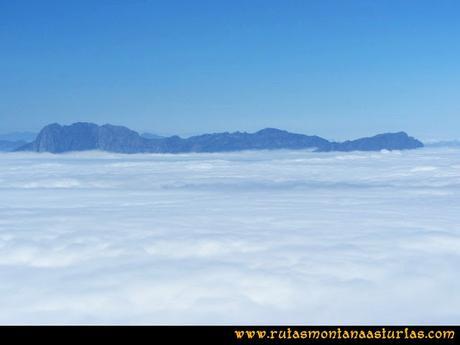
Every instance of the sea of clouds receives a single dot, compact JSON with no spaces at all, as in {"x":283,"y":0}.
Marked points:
{"x":251,"y":237}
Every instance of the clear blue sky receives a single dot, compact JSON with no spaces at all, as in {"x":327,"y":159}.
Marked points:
{"x":339,"y":69}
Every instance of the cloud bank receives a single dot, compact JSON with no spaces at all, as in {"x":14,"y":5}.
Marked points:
{"x":249,"y":237}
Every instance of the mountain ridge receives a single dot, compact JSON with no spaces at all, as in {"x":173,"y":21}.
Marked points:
{"x":7,"y":145}
{"x":82,"y":136}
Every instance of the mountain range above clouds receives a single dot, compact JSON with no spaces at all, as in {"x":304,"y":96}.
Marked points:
{"x":83,"y":136}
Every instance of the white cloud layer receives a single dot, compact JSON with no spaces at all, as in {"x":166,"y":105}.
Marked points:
{"x":253,"y":237}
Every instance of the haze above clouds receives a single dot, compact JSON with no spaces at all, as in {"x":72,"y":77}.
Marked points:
{"x":249,"y":237}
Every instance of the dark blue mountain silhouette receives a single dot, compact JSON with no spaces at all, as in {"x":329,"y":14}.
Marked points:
{"x":88,"y":136}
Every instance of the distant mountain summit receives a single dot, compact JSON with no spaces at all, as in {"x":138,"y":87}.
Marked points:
{"x":7,"y":146}
{"x":84,"y":136}
{"x":387,"y":141}
{"x":14,"y":140}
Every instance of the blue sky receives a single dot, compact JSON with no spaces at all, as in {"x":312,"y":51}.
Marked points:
{"x":339,"y":69}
